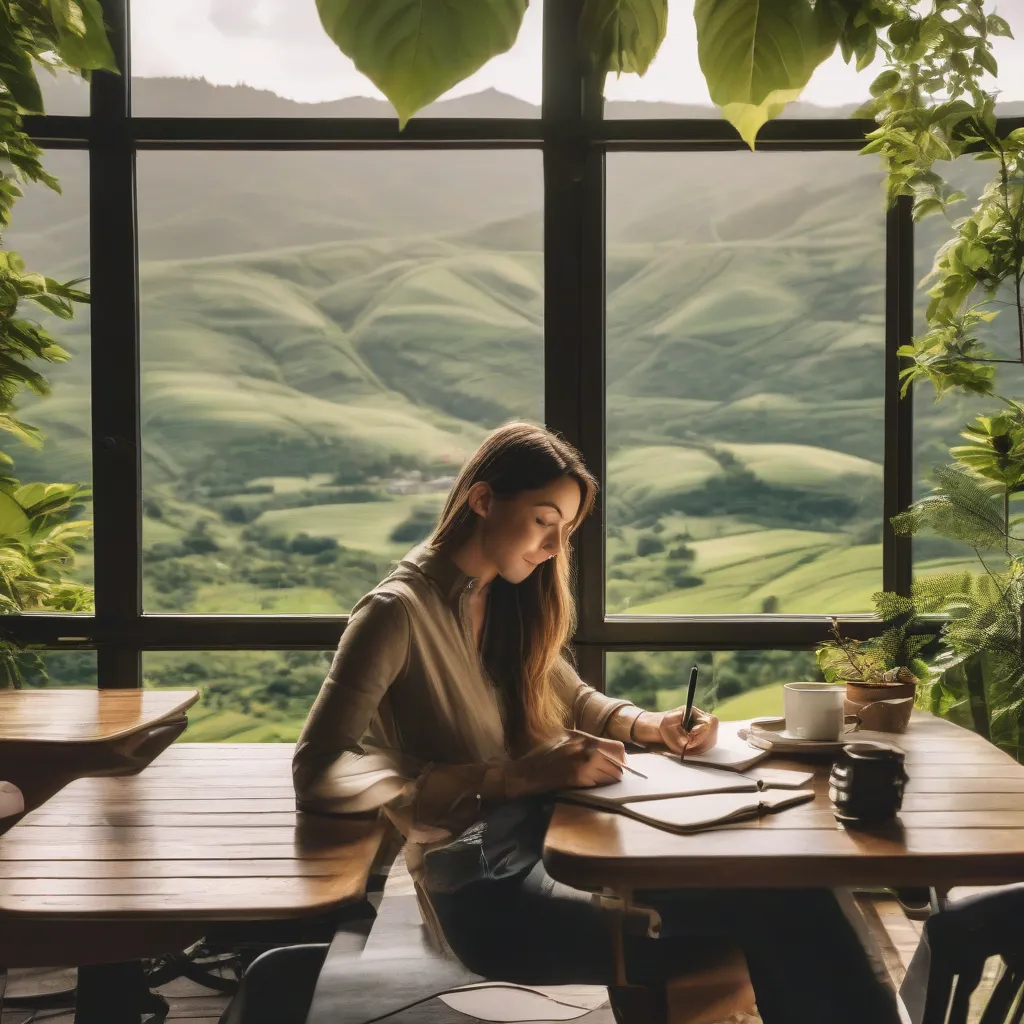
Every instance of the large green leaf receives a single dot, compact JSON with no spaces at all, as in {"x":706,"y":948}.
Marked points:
{"x":623,"y":35}
{"x":16,"y":71}
{"x":81,"y":35}
{"x":14,"y":523}
{"x":757,"y":55}
{"x":415,"y":50}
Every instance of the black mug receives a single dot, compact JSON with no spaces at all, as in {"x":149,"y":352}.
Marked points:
{"x":866,"y":783}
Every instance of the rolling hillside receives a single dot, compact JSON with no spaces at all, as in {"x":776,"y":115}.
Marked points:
{"x":326,"y":336}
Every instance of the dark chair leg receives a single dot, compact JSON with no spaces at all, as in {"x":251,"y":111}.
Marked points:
{"x":3,"y":986}
{"x":927,"y":986}
{"x":116,"y":994}
{"x":966,"y":982}
{"x":997,"y":1009}
{"x":1017,"y":1015}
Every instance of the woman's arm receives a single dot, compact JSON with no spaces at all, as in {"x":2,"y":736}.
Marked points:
{"x":589,"y":710}
{"x":621,"y":720}
{"x":331,"y":770}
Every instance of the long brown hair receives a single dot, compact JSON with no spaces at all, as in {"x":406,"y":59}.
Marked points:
{"x":514,"y":458}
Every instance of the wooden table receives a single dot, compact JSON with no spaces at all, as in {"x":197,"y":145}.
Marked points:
{"x":115,"y":869}
{"x":962,"y":823}
{"x":50,"y":737}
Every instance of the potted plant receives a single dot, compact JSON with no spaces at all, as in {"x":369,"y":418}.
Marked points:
{"x":881,"y":673}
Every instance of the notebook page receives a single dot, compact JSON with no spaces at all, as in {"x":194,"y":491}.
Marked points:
{"x":666,"y":777}
{"x":692,"y":813}
{"x":730,"y":751}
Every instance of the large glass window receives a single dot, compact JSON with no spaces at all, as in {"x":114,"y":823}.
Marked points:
{"x":237,"y":58}
{"x":745,"y":341}
{"x":321,"y":350}
{"x":332,"y":315}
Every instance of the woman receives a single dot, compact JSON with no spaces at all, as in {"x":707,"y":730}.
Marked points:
{"x":450,"y":700}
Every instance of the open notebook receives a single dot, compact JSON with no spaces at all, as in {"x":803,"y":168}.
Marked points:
{"x":730,"y":752}
{"x":693,"y":813}
{"x":668,"y":777}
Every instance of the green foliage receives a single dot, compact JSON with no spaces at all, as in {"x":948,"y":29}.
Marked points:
{"x":930,"y":102}
{"x":980,"y":671}
{"x":40,"y":528}
{"x":417,"y":527}
{"x":890,"y":657}
{"x":995,"y":448}
{"x":623,"y":35}
{"x":23,"y":340}
{"x":961,"y":507}
{"x":949,"y":356}
{"x":415,"y":50}
{"x":757,"y":55}
{"x":39,"y":537}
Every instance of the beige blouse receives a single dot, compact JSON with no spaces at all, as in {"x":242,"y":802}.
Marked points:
{"x":409,"y":718}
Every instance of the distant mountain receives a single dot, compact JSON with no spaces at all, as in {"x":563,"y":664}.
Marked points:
{"x":314,"y":311}
{"x":195,"y":97}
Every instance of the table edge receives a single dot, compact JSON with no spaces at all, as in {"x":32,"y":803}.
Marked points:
{"x":178,"y":709}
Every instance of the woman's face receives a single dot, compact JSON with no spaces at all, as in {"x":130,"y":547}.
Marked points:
{"x":519,"y":533}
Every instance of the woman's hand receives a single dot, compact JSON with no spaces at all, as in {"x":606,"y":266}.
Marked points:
{"x":665,"y":728}
{"x":579,"y":762}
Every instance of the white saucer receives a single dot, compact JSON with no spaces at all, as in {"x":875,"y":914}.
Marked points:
{"x":771,"y":733}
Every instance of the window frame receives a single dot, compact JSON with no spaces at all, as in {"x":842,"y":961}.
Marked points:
{"x":574,"y":140}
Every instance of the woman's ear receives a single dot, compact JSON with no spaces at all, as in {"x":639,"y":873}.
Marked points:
{"x":480,"y":498}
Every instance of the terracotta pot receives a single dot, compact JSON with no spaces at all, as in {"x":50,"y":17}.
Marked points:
{"x":882,"y":707}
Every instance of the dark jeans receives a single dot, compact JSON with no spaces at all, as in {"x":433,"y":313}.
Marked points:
{"x":806,"y":960}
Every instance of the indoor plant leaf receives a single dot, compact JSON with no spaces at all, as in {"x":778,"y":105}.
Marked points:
{"x":757,"y":55}
{"x":81,"y":36}
{"x":14,"y":523}
{"x":623,"y":35}
{"x":415,"y":50}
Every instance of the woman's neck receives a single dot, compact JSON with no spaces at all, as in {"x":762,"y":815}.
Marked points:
{"x":471,"y":561}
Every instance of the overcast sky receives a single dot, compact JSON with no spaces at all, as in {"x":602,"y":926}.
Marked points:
{"x":280,"y":45}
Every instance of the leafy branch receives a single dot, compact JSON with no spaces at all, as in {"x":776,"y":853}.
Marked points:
{"x":41,"y":525}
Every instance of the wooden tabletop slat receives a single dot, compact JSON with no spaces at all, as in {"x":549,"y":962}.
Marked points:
{"x":85,"y":716}
{"x":211,"y":906}
{"x":962,"y":823}
{"x":258,"y":868}
{"x":141,"y":849}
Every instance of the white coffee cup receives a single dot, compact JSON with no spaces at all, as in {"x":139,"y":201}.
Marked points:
{"x":814,"y":711}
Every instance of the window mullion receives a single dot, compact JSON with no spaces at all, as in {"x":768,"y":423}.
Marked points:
{"x":899,"y":412}
{"x":115,"y":363}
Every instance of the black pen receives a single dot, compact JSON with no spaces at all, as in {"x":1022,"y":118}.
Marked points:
{"x":688,"y":712}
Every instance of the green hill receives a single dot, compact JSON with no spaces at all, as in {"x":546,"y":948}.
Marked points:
{"x":353,"y":322}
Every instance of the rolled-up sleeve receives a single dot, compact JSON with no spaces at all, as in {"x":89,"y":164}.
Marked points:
{"x":334,"y":768}
{"x":589,"y":710}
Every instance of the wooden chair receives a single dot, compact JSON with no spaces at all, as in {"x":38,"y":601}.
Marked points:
{"x":950,"y":957}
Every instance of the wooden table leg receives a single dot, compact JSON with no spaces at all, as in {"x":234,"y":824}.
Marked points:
{"x":115,"y":994}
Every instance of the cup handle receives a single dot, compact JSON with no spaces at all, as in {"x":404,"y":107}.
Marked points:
{"x":851,"y":723}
